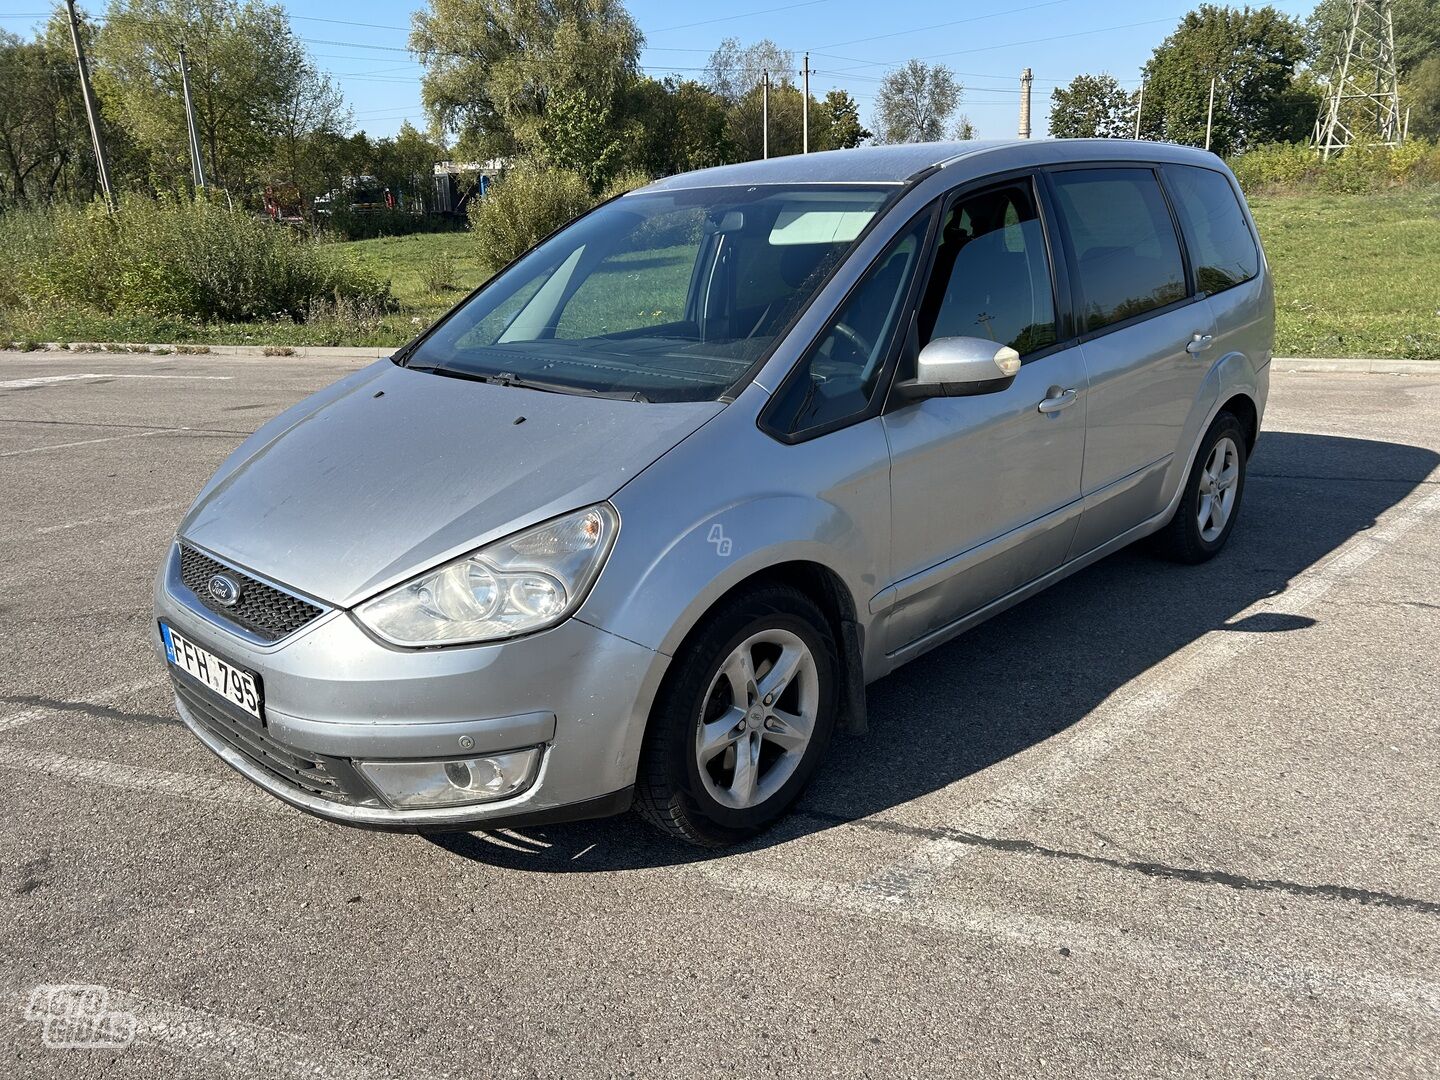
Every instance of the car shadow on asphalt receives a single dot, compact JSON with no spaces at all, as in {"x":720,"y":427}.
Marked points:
{"x":1043,"y":666}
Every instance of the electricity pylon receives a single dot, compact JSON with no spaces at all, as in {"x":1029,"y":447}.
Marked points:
{"x":1362,"y":105}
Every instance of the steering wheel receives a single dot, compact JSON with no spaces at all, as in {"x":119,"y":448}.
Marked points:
{"x":857,"y":340}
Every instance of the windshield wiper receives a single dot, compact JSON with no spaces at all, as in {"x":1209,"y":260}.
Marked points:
{"x":509,"y":378}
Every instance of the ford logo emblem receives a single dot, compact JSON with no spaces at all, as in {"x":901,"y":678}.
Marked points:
{"x":223,"y":590}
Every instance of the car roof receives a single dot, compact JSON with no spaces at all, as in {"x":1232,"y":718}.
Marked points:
{"x":895,"y":164}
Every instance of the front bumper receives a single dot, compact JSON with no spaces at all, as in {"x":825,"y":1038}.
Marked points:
{"x":334,"y":694}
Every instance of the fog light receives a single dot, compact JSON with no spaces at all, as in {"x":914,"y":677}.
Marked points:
{"x":412,"y":785}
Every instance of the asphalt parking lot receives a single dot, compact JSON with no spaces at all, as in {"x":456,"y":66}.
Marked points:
{"x":1158,"y":821}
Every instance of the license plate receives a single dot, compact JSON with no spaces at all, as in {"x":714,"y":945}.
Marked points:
{"x":236,"y":685}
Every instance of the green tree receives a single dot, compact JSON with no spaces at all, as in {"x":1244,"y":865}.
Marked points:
{"x":745,"y":123}
{"x":1417,"y":33}
{"x":406,"y":162}
{"x":835,"y":124}
{"x":1422,"y":93}
{"x":1252,"y":54}
{"x":249,"y":76}
{"x":492,"y":68}
{"x":44,"y":152}
{"x":675,"y":126}
{"x":734,"y":71}
{"x":1092,"y":107}
{"x":312,"y":113}
{"x":915,"y":103}
{"x":579,"y":134}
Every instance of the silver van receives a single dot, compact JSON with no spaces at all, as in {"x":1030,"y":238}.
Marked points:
{"x":638,"y":520}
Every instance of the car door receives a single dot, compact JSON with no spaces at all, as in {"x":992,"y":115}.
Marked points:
{"x":1224,"y":258}
{"x":1146,"y":336}
{"x":984,"y":489}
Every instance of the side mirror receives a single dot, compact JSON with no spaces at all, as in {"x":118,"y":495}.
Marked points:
{"x":960,"y":366}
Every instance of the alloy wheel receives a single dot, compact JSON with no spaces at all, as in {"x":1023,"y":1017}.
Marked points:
{"x":1218,"y":483}
{"x":757,"y":720}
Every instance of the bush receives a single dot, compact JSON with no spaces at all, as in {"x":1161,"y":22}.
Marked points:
{"x":626,"y":181}
{"x":344,"y":224}
{"x":1357,"y":171}
{"x":440,"y":272}
{"x":1417,"y":160}
{"x":527,"y":204}
{"x":1276,"y":165}
{"x":176,"y":258}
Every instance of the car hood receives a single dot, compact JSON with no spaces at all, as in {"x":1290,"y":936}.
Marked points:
{"x":391,"y":471}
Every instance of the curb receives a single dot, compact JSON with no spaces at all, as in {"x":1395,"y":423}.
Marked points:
{"x":1328,"y":365}
{"x":268,"y":352}
{"x":1356,"y":366}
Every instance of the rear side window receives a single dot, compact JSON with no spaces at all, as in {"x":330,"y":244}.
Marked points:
{"x":1122,"y":241}
{"x":1221,"y":247}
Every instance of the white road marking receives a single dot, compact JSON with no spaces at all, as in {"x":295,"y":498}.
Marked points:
{"x":1164,"y":960}
{"x":1128,"y":712}
{"x":46,"y":380}
{"x":140,"y":512}
{"x":104,"y":697}
{"x":138,"y":778}
{"x":256,"y":1049}
{"x":91,"y":442}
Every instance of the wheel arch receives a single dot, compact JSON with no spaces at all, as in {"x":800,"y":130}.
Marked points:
{"x":1242,"y":406}
{"x":830,"y":593}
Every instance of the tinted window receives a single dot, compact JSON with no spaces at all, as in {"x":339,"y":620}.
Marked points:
{"x":1221,"y":247}
{"x":1126,"y":254}
{"x":992,"y":275}
{"x":839,"y":376}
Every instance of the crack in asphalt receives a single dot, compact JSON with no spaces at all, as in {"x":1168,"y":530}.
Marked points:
{"x":104,"y":712}
{"x":108,"y":424}
{"x":1149,"y":869}
{"x":1412,"y":481}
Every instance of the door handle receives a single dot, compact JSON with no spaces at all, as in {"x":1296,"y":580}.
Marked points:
{"x":1199,"y":343}
{"x":1056,"y":402}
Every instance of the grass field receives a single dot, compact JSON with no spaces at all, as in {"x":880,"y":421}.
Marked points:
{"x":1356,"y":275}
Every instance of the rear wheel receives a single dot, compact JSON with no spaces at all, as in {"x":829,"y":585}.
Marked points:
{"x":743,"y":719}
{"x":1210,"y":502}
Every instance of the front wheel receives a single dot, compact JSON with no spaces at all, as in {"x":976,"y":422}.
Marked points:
{"x":1210,"y":502}
{"x":742,"y":721}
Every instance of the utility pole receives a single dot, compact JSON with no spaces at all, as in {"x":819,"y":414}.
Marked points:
{"x":91,"y":113}
{"x":197,"y":165}
{"x":805,"y":110}
{"x":1026,"y":78}
{"x":1210,"y":113}
{"x":1139,"y":108}
{"x":765,"y":117}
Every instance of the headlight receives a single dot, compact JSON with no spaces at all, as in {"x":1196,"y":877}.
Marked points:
{"x":523,"y":583}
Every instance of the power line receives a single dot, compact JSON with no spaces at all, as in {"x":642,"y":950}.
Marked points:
{"x":1030,"y":41}
{"x":941,"y":25}
{"x":741,"y":15}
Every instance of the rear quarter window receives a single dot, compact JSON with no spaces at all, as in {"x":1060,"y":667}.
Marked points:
{"x":1221,"y":247}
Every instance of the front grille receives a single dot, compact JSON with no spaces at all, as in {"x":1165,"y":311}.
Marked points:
{"x":329,"y":778}
{"x":262,"y":609}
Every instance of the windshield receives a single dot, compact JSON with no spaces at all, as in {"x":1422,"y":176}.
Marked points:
{"x":667,"y":296}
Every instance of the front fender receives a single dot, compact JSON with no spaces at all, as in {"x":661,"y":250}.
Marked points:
{"x":731,"y":502}
{"x":717,"y":551}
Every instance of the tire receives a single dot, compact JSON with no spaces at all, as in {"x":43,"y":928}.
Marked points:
{"x":1186,"y":539}
{"x":694,"y":783}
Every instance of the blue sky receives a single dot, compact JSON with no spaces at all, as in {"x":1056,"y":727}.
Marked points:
{"x":851,"y":44}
